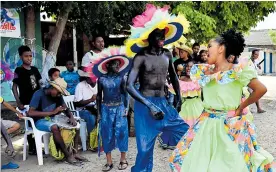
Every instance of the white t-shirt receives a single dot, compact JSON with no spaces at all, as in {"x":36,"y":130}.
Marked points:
{"x":88,"y":58}
{"x":84,"y":91}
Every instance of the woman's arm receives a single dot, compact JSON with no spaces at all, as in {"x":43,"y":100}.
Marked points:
{"x":258,"y":91}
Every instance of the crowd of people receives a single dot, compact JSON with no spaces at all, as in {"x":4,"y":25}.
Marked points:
{"x":180,"y":99}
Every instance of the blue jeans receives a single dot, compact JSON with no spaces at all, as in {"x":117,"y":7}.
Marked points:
{"x":44,"y":125}
{"x":89,"y":119}
{"x":171,"y":98}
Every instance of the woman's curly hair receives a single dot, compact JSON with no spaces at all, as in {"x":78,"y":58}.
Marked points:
{"x":233,"y":42}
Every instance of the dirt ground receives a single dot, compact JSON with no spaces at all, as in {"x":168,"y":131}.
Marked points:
{"x":265,"y":124}
{"x":266,"y":137}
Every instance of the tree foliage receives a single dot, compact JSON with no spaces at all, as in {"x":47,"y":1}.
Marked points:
{"x":209,"y":18}
{"x":272,"y":34}
{"x":105,"y":17}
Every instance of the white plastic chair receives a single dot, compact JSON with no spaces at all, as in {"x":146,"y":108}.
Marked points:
{"x":69,"y":101}
{"x":38,"y":137}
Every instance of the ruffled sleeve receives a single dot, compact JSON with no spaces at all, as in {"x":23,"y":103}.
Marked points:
{"x":197,"y":74}
{"x":187,"y":89}
{"x":248,"y":73}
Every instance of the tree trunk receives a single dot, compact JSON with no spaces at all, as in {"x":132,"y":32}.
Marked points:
{"x":30,"y":26}
{"x":50,"y":59}
{"x":60,"y":25}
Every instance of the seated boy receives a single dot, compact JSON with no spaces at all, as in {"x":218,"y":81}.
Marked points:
{"x":48,"y":102}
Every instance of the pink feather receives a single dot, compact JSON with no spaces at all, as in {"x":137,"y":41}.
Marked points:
{"x":146,"y":16}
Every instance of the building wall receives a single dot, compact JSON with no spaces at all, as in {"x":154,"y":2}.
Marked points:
{"x":9,"y":55}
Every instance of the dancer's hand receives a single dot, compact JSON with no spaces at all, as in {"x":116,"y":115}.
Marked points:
{"x":157,"y":113}
{"x":238,"y":111}
{"x":178,"y":105}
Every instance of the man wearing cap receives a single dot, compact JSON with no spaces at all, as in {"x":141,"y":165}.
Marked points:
{"x":152,"y":113}
{"x":48,"y":102}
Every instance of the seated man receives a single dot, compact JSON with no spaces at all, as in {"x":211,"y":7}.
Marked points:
{"x":85,"y":100}
{"x":48,"y":102}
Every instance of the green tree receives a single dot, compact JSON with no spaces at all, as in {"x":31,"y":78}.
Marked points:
{"x":210,"y":18}
{"x":108,"y":17}
{"x":272,"y":34}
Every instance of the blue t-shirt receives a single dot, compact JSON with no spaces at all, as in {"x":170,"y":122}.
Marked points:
{"x":45,"y":103}
{"x":72,"y":79}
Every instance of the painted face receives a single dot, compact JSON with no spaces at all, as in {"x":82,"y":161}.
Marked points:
{"x":213,"y":51}
{"x":55,"y":75}
{"x":99,"y":43}
{"x":183,"y":54}
{"x":27,"y":57}
{"x":196,"y":49}
{"x":188,"y":68}
{"x":256,"y":55}
{"x":70,"y":66}
{"x":157,"y":38}
{"x":114,"y":66}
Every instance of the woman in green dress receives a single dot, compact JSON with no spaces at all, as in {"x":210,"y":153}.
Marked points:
{"x":192,"y":106}
{"x":223,"y":139}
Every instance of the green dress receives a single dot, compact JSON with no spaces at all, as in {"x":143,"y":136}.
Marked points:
{"x":219,"y":142}
{"x":192,"y":106}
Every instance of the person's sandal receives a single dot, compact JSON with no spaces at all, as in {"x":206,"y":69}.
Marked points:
{"x":107,"y":167}
{"x":121,"y":165}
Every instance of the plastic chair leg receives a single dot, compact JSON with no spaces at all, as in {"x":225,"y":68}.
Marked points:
{"x":46,"y":139}
{"x":25,"y":147}
{"x":38,"y":143}
{"x":83,"y":135}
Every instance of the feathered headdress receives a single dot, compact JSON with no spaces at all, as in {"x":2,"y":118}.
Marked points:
{"x":155,"y":18}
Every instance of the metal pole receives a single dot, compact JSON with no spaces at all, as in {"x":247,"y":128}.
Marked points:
{"x":75,"y":47}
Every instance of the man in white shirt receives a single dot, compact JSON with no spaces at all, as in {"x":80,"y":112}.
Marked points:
{"x":97,"y":44}
{"x":254,"y":57}
{"x":85,"y":99}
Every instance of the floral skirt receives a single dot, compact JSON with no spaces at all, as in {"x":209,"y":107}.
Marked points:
{"x":218,"y":143}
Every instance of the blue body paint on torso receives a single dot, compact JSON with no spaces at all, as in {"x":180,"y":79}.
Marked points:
{"x":112,"y":92}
